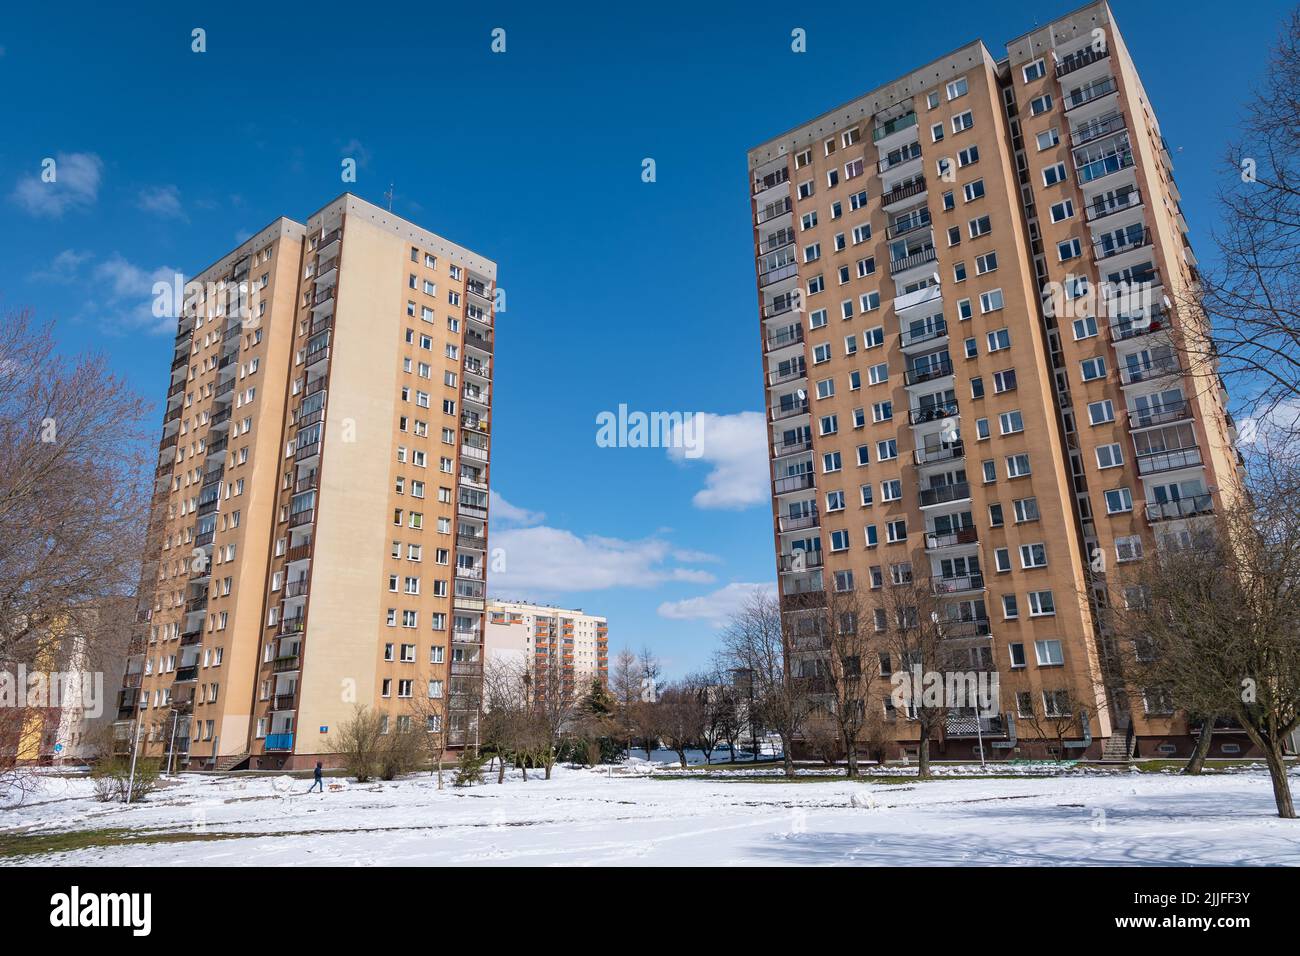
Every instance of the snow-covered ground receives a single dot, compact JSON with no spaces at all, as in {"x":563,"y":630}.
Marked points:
{"x":595,"y":817}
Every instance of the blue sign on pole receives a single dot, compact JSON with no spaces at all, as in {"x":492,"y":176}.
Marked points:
{"x":324,"y":730}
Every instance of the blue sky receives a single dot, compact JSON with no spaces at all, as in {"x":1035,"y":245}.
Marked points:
{"x":618,"y":291}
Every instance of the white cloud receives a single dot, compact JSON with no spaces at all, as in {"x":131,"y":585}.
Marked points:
{"x":120,"y":292}
{"x":555,"y":560}
{"x":735,"y":446}
{"x":504,"y":512}
{"x":716,"y":606}
{"x":355,"y":149}
{"x":75,"y":186}
{"x":161,"y":201}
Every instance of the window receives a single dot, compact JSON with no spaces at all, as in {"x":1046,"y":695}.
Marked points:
{"x":817,"y":319}
{"x":1128,"y":548}
{"x":972,"y":348}
{"x":1041,"y":604}
{"x":1002,"y":560}
{"x":839,"y":540}
{"x":887,"y":450}
{"x":1085,"y":328}
{"x":990,"y":301}
{"x":936,"y":132}
{"x":896,"y":531}
{"x":1017,"y":654}
{"x":932,"y":100}
{"x":1048,"y":653}
{"x":986,"y":263}
{"x":1054,"y":174}
{"x":1004,"y":381}
{"x":1010,"y":607}
{"x":957,"y":87}
{"x":990,"y":471}
{"x":1040,"y":104}
{"x":878,"y":374}
{"x":995,"y":515}
{"x":1101,"y":412}
{"x":1033,"y":556}
{"x":873,"y":338}
{"x":1118,"y":501}
{"x":1069,"y":249}
{"x":973,"y":191}
{"x":1062,"y":210}
{"x":891,"y":490}
{"x":980,"y":227}
{"x":872,"y":538}
{"x":968,"y":156}
{"x":998,"y":340}
{"x":1009,"y":423}
{"x":1026,"y":509}
{"x":834,"y":501}
{"x":1034,"y":71}
{"x":981,"y":428}
{"x":1093,"y":368}
{"x":1017,"y":466}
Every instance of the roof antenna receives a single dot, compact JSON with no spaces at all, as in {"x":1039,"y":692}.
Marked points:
{"x":389,"y":196}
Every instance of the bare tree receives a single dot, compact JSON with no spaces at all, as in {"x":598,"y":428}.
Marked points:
{"x":1058,"y":715}
{"x":841,"y":638}
{"x":505,"y":710}
{"x":429,"y":715}
{"x":754,"y":640}
{"x":552,"y":706}
{"x":359,"y":742}
{"x":682,"y":713}
{"x":1252,"y":294}
{"x":913,"y":626}
{"x":1214,"y":625}
{"x":65,"y":427}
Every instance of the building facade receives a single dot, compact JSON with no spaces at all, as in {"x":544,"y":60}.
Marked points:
{"x":973,"y":286}
{"x":319,"y":526}
{"x":541,"y":637}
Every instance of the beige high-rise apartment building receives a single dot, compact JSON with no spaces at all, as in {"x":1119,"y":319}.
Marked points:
{"x":540,"y":636}
{"x":972,"y":286}
{"x":319,"y":526}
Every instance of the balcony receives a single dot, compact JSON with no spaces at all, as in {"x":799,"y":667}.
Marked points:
{"x":478,"y":289}
{"x":186,"y":674}
{"x":899,"y":157}
{"x":296,"y":588}
{"x":939,"y":453}
{"x":789,"y":483}
{"x":1089,"y":94}
{"x":1137,"y":326}
{"x":323,"y":299}
{"x":476,"y":341}
{"x":1075,"y":61}
{"x":1105,"y":166}
{"x":784,"y":338}
{"x":278,"y":742}
{"x":782,"y":449}
{"x":1175,"y":459}
{"x":777,"y":240}
{"x":471,"y":542}
{"x":902,"y":192}
{"x":797,"y":561}
{"x":772,"y":211}
{"x":920,"y":374}
{"x":792,"y":374}
{"x":956,"y":584}
{"x":475,"y":367}
{"x":291,"y":626}
{"x":922,"y":334}
{"x":938,"y":541}
{"x":967,"y":627}
{"x":945,"y":494}
{"x":282,"y":702}
{"x":798,"y":522}
{"x":909,"y":224}
{"x":1130,"y":241}
{"x":789,"y":270}
{"x":912,"y":261}
{"x":895,"y":125}
{"x":1192,"y":507}
{"x":286,"y":664}
{"x":1159,"y":414}
{"x":782,"y":412}
{"x":191,"y":638}
{"x":772,"y":179}
{"x":926,"y":414}
{"x":473,"y":422}
{"x":1123,"y":200}
{"x":307,"y":451}
{"x":301,"y":552}
{"x":1134,"y":373}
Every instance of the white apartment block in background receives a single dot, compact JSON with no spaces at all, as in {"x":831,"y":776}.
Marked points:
{"x":542,"y":636}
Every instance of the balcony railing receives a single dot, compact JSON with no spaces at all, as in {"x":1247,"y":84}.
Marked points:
{"x":800,"y":561}
{"x":1089,"y":93}
{"x":793,"y":483}
{"x":936,"y":541}
{"x":1075,"y":61}
{"x":932,"y":413}
{"x":288,"y":662}
{"x":903,"y":191}
{"x":909,"y":337}
{"x":956,"y":583}
{"x":779,"y":376}
{"x":780,"y":412}
{"x":939,"y":453}
{"x":184,"y":674}
{"x":1169,"y":460}
{"x":774,"y":178}
{"x":942,"y":494}
{"x":895,"y":125}
{"x":282,"y":702}
{"x":903,"y":226}
{"x":772,"y":211}
{"x":972,"y":627}
{"x":899,"y":157}
{"x":278,"y":742}
{"x":474,"y":340}
{"x":779,"y":274}
{"x":777,"y":240}
{"x":789,"y":336}
{"x":973,"y":726}
{"x":1104,"y":206}
{"x":1104,"y":250}
{"x":798,"y":522}
{"x":1133,"y":373}
{"x":911,"y":262}
{"x":1159,"y":414}
{"x":1105,"y":166}
{"x":1136,"y":326}
{"x":781,"y":449}
{"x":1202,"y":504}
{"x":919,"y":374}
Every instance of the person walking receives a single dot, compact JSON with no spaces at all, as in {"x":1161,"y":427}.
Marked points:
{"x":318,"y":779}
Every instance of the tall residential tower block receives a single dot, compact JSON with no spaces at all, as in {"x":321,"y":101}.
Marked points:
{"x":975,"y":295}
{"x":319,"y":526}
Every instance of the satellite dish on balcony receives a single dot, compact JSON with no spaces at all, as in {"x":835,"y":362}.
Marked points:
{"x":801,"y":394}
